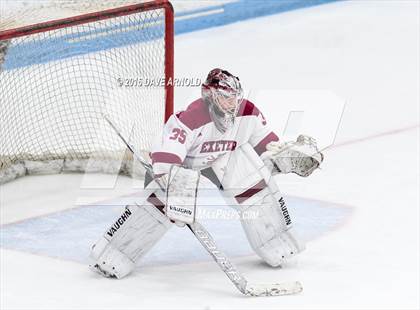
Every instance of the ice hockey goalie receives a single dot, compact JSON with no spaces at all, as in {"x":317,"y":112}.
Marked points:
{"x":225,"y":138}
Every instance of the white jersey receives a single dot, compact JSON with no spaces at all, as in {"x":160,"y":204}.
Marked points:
{"x":190,"y":138}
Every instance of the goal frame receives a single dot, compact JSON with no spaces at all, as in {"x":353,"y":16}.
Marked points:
{"x":110,"y":13}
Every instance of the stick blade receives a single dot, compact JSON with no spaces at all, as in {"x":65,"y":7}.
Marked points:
{"x":278,"y":289}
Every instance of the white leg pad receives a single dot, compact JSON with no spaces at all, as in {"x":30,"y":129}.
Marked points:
{"x":264,"y":215}
{"x":109,"y":261}
{"x":270,"y":238}
{"x":132,"y":235}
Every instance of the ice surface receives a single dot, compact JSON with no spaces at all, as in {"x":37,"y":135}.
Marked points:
{"x":70,"y":234}
{"x":363,"y":51}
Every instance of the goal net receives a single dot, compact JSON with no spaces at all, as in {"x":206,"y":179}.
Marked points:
{"x":58,"y":78}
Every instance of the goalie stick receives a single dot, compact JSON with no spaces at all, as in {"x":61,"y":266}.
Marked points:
{"x":206,"y":240}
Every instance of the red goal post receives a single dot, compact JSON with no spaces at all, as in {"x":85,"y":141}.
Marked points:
{"x":57,"y":79}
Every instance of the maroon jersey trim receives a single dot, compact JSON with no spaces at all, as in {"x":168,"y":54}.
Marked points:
{"x":261,"y":146}
{"x":167,"y":158}
{"x":247,"y":108}
{"x":196,"y":115}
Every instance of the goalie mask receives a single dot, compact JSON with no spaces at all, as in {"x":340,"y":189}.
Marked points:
{"x":223,"y":94}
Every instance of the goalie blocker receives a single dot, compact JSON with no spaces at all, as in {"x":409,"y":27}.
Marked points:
{"x":248,"y":186}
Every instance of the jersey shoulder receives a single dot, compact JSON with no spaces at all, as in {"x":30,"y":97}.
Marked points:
{"x":247,"y":108}
{"x":251,"y":113}
{"x":195,"y":115}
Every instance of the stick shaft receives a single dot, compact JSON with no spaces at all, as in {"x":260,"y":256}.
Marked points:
{"x":206,"y":240}
{"x":140,"y":158}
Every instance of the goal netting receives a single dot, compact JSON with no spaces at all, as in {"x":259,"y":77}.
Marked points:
{"x":58,"y":78}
